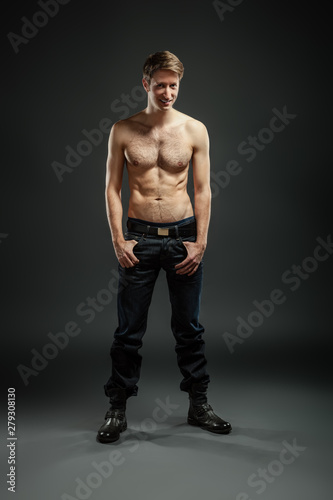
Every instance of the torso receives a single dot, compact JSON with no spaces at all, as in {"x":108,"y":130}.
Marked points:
{"x":158,"y":164}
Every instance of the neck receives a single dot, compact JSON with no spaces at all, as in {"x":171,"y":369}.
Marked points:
{"x":157,"y":117}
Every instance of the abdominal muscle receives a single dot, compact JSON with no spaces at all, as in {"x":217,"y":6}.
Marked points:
{"x":158,"y":196}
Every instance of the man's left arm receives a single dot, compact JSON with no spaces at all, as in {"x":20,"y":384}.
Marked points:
{"x":202,"y":199}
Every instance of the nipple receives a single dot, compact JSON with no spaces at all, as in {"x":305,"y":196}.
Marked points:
{"x":136,"y":162}
{"x":180,"y":163}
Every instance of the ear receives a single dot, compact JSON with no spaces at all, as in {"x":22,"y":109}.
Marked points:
{"x":145,"y":85}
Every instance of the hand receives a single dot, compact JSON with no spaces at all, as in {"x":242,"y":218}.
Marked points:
{"x":195,"y":253}
{"x":124,"y":253}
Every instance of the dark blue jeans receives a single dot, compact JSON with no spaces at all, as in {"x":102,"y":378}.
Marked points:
{"x":135,"y":289}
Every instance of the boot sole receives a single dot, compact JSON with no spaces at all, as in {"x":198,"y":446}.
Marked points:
{"x":102,"y":439}
{"x":190,"y":421}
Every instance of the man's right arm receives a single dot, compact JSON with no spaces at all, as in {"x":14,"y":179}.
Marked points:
{"x":114,"y":208}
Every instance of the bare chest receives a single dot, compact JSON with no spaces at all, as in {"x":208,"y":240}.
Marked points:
{"x":167,"y":151}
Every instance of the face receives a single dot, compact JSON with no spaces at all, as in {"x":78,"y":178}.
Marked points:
{"x":163,"y":89}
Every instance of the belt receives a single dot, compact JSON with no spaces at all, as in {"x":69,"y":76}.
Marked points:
{"x":184,"y":230}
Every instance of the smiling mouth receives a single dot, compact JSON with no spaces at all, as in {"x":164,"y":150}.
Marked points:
{"x":165,"y":101}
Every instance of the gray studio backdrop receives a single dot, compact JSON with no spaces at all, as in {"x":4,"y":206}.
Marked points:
{"x":255,"y":75}
{"x":252,"y":75}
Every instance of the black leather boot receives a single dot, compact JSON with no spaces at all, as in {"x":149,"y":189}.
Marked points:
{"x":201,"y":414}
{"x":115,"y":423}
{"x":115,"y":418}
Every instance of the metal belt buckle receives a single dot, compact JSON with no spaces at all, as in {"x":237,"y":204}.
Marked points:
{"x":163,"y":231}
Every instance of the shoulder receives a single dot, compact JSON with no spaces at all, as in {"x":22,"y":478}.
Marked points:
{"x":129,"y":123}
{"x":194,"y":127}
{"x":196,"y":131}
{"x":121,"y":129}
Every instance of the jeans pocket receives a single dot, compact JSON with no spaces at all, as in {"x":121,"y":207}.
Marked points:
{"x":183,"y":239}
{"x":190,"y":239}
{"x":133,"y":236}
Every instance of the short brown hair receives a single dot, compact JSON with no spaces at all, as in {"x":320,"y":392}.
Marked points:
{"x":162,"y":60}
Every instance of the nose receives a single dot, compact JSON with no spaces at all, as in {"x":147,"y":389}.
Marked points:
{"x":167,"y":93}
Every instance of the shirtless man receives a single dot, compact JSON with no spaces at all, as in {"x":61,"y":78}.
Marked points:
{"x":163,"y":232}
